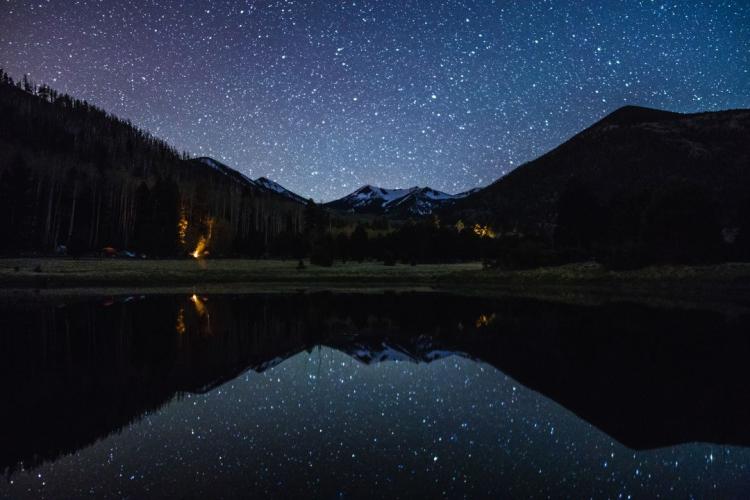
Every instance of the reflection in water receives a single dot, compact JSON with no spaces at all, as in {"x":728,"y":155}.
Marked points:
{"x":180,"y":324}
{"x":200,"y":309}
{"x":371,"y":395}
{"x":484,"y":320}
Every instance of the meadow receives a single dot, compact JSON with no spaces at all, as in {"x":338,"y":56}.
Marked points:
{"x":583,"y":282}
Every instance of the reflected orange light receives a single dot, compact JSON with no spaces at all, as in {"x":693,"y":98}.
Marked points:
{"x":484,"y":320}
{"x":200,"y":306}
{"x":180,"y":326}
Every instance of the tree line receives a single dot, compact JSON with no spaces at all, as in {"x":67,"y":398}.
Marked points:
{"x":76,"y":179}
{"x":675,"y":223}
{"x":326,"y":240}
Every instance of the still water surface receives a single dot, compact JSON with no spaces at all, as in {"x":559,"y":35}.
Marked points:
{"x":406,"y":395}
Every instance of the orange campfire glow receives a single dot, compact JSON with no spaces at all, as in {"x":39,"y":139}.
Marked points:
{"x":483,"y":231}
{"x":201,"y":249}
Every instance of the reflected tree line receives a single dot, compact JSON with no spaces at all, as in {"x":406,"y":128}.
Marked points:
{"x":74,"y":374}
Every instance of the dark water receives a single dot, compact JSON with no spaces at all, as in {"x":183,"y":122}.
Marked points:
{"x":386,"y":395}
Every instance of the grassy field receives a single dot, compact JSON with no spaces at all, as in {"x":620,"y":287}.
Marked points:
{"x":48,"y":273}
{"x":718,"y":283}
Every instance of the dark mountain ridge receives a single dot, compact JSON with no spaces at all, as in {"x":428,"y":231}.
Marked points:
{"x":631,"y":115}
{"x":261,"y":183}
{"x":275,"y":187}
{"x":662,"y":187}
{"x":632,"y":150}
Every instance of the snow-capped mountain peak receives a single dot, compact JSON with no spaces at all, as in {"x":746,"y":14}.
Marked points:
{"x":404,"y":202}
{"x":261,"y":182}
{"x":407,"y":202}
{"x":368,"y":192}
{"x":223,"y":169}
{"x":278,"y":188}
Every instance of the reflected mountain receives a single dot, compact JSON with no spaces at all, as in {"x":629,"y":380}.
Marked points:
{"x":75,"y":373}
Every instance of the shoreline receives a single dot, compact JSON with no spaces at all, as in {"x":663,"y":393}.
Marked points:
{"x":715,"y":286}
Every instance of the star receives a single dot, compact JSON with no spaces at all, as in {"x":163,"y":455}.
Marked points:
{"x":297,"y":91}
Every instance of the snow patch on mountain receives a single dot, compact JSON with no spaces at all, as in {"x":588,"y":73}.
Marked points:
{"x":369,"y":193}
{"x":278,"y":188}
{"x":225,"y":170}
{"x":423,"y":349}
{"x":212,"y":163}
{"x":410,"y":201}
{"x":261,"y":182}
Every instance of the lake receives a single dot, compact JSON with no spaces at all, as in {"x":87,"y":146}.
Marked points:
{"x":371,"y":395}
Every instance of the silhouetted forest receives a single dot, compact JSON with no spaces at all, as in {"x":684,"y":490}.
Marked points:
{"x":675,"y":223}
{"x":75,"y":180}
{"x":639,"y":187}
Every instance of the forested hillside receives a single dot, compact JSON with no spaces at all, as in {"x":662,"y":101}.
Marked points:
{"x":639,"y":186}
{"x":75,"y":179}
{"x":632,"y":151}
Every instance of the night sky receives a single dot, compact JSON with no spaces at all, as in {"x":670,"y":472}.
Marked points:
{"x":326,"y":96}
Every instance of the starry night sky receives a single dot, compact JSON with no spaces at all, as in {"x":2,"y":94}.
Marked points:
{"x":323,"y":425}
{"x":326,"y":96}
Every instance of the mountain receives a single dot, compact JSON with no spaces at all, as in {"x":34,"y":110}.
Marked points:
{"x":76,"y":179}
{"x":414,"y":201}
{"x":224,"y":170}
{"x":278,"y":188}
{"x":261,"y":183}
{"x":415,"y":349}
{"x":631,"y":152}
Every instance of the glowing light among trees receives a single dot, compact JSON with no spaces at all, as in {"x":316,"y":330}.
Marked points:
{"x":201,"y":249}
{"x":182,"y":227}
{"x":483,"y":231}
